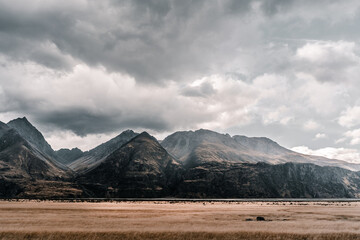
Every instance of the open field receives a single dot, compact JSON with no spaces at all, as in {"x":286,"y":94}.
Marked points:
{"x":180,"y":220}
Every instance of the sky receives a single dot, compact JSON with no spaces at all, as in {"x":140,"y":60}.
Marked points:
{"x":82,"y":71}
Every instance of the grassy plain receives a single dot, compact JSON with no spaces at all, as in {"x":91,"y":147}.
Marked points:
{"x":179,"y":220}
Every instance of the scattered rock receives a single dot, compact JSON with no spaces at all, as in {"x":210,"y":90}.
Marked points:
{"x":248,"y":219}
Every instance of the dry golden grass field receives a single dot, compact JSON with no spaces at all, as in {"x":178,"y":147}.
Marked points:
{"x":179,"y":220}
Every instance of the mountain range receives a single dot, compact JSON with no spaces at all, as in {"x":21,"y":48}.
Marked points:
{"x":187,"y":164}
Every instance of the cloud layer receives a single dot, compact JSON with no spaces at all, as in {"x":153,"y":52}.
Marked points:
{"x":90,"y":69}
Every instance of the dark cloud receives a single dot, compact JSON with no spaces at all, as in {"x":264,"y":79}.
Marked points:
{"x":272,"y":7}
{"x":83,"y":122}
{"x":98,"y":66}
{"x":80,"y":121}
{"x":151,"y":40}
{"x":154,"y":41}
{"x":27,"y":35}
{"x":237,"y":7}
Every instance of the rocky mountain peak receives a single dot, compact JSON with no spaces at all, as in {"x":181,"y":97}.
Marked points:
{"x":22,"y":124}
{"x":141,"y":168}
{"x":128,"y":131}
{"x":26,"y":129}
{"x":186,"y":145}
{"x":145,"y":142}
{"x":19,"y":158}
{"x":96,"y":155}
{"x":32,"y":135}
{"x":23,"y":119}
{"x":145,"y":136}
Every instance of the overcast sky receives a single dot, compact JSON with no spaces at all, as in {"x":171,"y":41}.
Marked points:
{"x":82,"y":71}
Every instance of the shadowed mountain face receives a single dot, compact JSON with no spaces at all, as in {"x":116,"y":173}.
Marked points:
{"x":24,"y":174}
{"x":33,"y":137}
{"x":67,"y":156}
{"x":19,"y":159}
{"x":261,"y":180}
{"x":94,"y":157}
{"x":201,"y":146}
{"x":3,"y":128}
{"x":26,"y":171}
{"x":140,"y":168}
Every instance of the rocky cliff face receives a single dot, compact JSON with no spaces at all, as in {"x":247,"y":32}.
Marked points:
{"x":27,"y":131}
{"x":140,"y":168}
{"x":95,"y":156}
{"x":204,"y":146}
{"x":261,"y":180}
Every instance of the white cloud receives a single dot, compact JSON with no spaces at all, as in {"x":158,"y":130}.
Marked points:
{"x":320,"y":136}
{"x":354,"y":136}
{"x":311,"y":125}
{"x":328,"y":61}
{"x":87,"y":99}
{"x":323,"y":52}
{"x":117,"y":101}
{"x":106,"y":66}
{"x":350,"y":117}
{"x":325,"y":98}
{"x":340,"y":140}
{"x":346,"y":154}
{"x":278,"y":115}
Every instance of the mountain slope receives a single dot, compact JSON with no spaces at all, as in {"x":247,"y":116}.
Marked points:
{"x":34,"y":138}
{"x":261,"y":180}
{"x":25,"y":172}
{"x":202,"y":164}
{"x":94,"y":157}
{"x":18,"y":158}
{"x":3,"y":128}
{"x":67,"y":156}
{"x":140,"y":168}
{"x":26,"y":175}
{"x":208,"y":146}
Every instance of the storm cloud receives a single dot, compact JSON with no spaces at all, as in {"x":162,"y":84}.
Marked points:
{"x":274,"y":68}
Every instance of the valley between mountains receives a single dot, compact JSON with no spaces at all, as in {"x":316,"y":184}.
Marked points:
{"x":189,"y":164}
